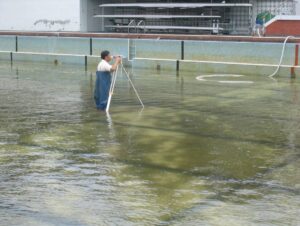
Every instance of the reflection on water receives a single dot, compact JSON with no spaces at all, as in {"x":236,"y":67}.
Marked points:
{"x":199,"y":154}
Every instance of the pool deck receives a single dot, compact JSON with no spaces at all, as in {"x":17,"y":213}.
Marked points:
{"x":154,"y":36}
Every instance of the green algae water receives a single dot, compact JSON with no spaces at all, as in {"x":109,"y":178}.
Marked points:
{"x":200,"y":153}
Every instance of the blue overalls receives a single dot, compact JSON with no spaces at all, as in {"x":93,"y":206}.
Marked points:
{"x":103,"y":82}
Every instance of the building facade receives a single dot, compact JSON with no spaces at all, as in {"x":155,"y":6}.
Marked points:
{"x":193,"y":16}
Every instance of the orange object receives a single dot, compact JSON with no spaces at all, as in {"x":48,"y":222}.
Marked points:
{"x":283,"y":26}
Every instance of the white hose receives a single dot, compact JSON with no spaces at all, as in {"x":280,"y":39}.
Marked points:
{"x":282,"y":55}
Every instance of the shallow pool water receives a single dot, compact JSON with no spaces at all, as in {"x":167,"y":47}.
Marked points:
{"x":200,"y":153}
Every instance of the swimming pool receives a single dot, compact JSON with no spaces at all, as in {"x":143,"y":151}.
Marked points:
{"x":200,"y":153}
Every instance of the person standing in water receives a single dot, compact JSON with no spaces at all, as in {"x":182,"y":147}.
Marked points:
{"x":103,"y":80}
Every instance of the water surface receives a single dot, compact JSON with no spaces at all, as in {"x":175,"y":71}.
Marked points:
{"x":201,"y":153}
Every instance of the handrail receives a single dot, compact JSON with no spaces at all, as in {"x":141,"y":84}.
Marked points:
{"x":129,"y":25}
{"x":139,"y":24}
{"x":215,"y":27}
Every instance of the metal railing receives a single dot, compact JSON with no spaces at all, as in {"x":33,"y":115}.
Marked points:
{"x":136,"y":26}
{"x":131,"y":24}
{"x":139,"y":26}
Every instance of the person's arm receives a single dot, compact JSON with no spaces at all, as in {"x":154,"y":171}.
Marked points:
{"x":116,"y":64}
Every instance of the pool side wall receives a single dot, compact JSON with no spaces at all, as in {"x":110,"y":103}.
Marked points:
{"x":170,"y":55}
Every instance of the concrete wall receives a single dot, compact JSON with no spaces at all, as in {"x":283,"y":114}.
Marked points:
{"x":114,"y":45}
{"x":192,"y":56}
{"x":40,"y":15}
{"x":60,"y":50}
{"x":79,"y":46}
{"x":89,"y":8}
{"x":251,"y":58}
{"x":7,"y":43}
{"x":162,"y":49}
{"x":5,"y":56}
{"x":242,"y":52}
{"x":64,"y":45}
{"x":49,"y":58}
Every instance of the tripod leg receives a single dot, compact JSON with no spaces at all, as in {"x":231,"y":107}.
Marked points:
{"x":131,"y":83}
{"x":111,"y":91}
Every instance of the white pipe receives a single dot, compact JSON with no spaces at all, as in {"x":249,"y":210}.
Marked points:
{"x":281,"y":57}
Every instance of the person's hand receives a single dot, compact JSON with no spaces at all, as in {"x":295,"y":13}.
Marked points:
{"x":118,"y":60}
